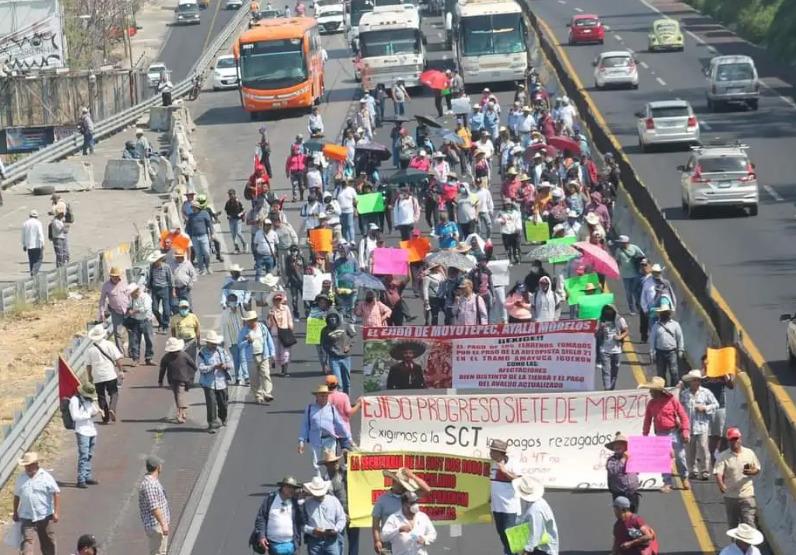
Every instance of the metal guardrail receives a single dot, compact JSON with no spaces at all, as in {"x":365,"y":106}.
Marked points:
{"x":37,"y":411}
{"x":72,"y":144}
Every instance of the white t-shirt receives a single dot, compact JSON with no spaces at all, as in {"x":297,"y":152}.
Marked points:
{"x":502,"y":495}
{"x":102,"y":369}
{"x":609,"y":344}
{"x":403,"y":543}
{"x":280,"y":520}
{"x":345,"y":198}
{"x":733,"y":549}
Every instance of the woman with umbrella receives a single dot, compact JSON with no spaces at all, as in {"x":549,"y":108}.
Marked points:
{"x":406,"y":373}
{"x":433,"y":304}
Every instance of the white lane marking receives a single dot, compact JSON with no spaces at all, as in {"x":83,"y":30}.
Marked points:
{"x":660,"y":81}
{"x":578,"y":10}
{"x":617,"y":37}
{"x":644,"y":65}
{"x":699,"y":39}
{"x":775,"y":195}
{"x":561,"y":2}
{"x":705,"y":125}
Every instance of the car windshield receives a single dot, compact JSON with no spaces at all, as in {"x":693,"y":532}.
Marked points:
{"x":225,"y":63}
{"x":187,"y":8}
{"x":586,"y":23}
{"x":267,"y":14}
{"x":493,"y":34}
{"x":735,"y":72}
{"x":389,"y":42}
{"x":720,"y":164}
{"x":616,"y":61}
{"x":330,"y":12}
{"x":273,"y":64}
{"x":666,"y":27}
{"x":670,"y":112}
{"x":329,"y":3}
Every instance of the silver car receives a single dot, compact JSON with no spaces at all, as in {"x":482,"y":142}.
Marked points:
{"x":719,"y":175}
{"x":732,"y":79}
{"x":790,"y":337}
{"x":667,"y":122}
{"x":617,"y":67}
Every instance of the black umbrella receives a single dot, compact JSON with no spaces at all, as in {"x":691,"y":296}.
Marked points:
{"x":374,"y":150}
{"x":409,"y":175}
{"x":367,"y":281}
{"x":425,"y":120}
{"x":314,"y":145}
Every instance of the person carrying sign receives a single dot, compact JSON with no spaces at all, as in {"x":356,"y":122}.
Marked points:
{"x":503,"y":499}
{"x":537,"y":514}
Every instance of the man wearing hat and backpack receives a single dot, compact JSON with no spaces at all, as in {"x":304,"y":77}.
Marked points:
{"x":503,"y":498}
{"x":257,"y":351}
{"x":82,"y":408}
{"x":103,"y":367}
{"x":278,"y":526}
{"x":214,"y":364}
{"x":322,"y":427}
{"x":534,"y":510}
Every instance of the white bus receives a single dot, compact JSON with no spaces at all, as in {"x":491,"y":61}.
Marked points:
{"x":489,"y":41}
{"x":391,"y":47}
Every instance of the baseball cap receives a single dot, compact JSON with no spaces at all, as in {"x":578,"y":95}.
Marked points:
{"x":622,"y":502}
{"x":733,"y":433}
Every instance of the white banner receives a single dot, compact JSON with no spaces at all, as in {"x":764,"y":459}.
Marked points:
{"x":558,"y":438}
{"x":31,"y":36}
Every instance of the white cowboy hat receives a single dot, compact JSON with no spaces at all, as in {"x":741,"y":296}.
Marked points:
{"x":174,"y":345}
{"x":400,"y":476}
{"x":528,"y":489}
{"x":30,"y":457}
{"x":213,"y":337}
{"x":692,"y":375}
{"x":235,"y":268}
{"x":318,"y":486}
{"x":132,"y":288}
{"x":592,"y":218}
{"x":249,"y":315}
{"x":270,"y":280}
{"x":97,"y":333}
{"x":155,"y":256}
{"x":746,"y":534}
{"x":656,"y":269}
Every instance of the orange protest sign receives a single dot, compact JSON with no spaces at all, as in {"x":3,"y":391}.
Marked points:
{"x":721,"y":362}
{"x":418,"y":248}
{"x":321,"y":240}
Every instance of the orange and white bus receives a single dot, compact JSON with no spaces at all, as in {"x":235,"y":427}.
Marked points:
{"x":281,"y":64}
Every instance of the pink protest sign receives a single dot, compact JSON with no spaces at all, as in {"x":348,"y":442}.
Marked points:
{"x":649,"y":454}
{"x":393,"y":262}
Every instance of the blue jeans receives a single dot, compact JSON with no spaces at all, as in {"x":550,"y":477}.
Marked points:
{"x":679,"y":455}
{"x":317,"y":546}
{"x":237,"y":235}
{"x":610,"y":367}
{"x":85,"y":452}
{"x":395,"y":155}
{"x":263,"y":263}
{"x":503,"y":521}
{"x":630,"y":293}
{"x":347,"y":225}
{"x":341,"y":367}
{"x":353,"y":541}
{"x":88,"y":143}
{"x":399,"y":108}
{"x":201,"y":244}
{"x":240,"y":370}
{"x":161,"y":305}
{"x":346,"y":304}
{"x":135,"y":329}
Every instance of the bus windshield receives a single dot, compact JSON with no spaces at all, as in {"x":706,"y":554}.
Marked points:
{"x":274,"y":64}
{"x":493,"y":34}
{"x":358,"y":8}
{"x":389,"y":42}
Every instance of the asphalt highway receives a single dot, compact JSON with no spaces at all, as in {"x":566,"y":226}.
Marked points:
{"x":750,"y":259}
{"x":263,"y":448}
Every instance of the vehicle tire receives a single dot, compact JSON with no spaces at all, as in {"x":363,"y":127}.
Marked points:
{"x":641,"y":146}
{"x":711,"y":106}
{"x":602,"y":41}
{"x":791,"y":359}
{"x":753,"y":105}
{"x":634,"y":86}
{"x":691,"y":211}
{"x":684,"y":205}
{"x":753,"y":210}
{"x":597,"y":86}
{"x":43,"y":190}
{"x":254,"y":116}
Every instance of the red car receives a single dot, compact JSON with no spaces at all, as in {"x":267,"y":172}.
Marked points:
{"x":586,"y":28}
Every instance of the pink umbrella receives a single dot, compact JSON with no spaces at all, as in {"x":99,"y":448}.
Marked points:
{"x":600,"y":258}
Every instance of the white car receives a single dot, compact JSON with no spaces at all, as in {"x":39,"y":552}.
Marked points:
{"x":617,"y":67}
{"x":790,"y":337}
{"x":329,"y":14}
{"x":667,"y":122}
{"x":233,"y":4}
{"x":225,"y":73}
{"x":154,"y":73}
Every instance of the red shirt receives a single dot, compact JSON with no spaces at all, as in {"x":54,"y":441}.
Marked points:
{"x":622,"y":535}
{"x":667,"y":414}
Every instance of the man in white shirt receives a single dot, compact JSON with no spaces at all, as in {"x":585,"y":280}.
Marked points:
{"x":264,"y":247}
{"x":103,"y":366}
{"x":315,"y":123}
{"x":503,"y":498}
{"x":37,"y":505}
{"x":745,"y":538}
{"x":347,"y":199}
{"x":535,"y":511}
{"x":409,"y":531}
{"x":82,"y":408}
{"x":279,"y":518}
{"x":367,"y":245}
{"x":406,"y":212}
{"x":33,"y":241}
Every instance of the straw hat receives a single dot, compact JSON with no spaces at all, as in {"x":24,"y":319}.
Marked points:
{"x":318,"y":487}
{"x":656,"y":384}
{"x":213,"y":338}
{"x":656,"y":269}
{"x":402,"y":478}
{"x":618,"y":438}
{"x":155,"y":256}
{"x":592,"y":218}
{"x":115,"y":272}
{"x":692,"y":375}
{"x":174,"y":345}
{"x":747,"y":534}
{"x":590,"y":287}
{"x":329,"y":456}
{"x":528,"y":489}
{"x":321,"y":389}
{"x":270,"y":280}
{"x":249,"y":315}
{"x":498,"y":445}
{"x":97,"y":333}
{"x":88,"y":391}
{"x":31,"y":457}
{"x":288,"y":481}
{"x":235,"y":268}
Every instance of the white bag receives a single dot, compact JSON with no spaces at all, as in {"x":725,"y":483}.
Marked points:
{"x":13,"y":537}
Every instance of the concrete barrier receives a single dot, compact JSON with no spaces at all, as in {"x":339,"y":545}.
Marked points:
{"x":163,"y":182}
{"x":126,"y":174}
{"x":160,"y":118}
{"x":63,"y":176}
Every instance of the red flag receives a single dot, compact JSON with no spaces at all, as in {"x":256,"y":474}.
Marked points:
{"x":67,"y":381}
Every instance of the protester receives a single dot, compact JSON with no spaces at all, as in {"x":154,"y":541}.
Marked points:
{"x":82,"y":408}
{"x":33,"y":242}
{"x":160,"y":283}
{"x":185,"y":327}
{"x":734,"y":470}
{"x":700,"y":404}
{"x":632,"y":534}
{"x":179,"y":368}
{"x":410,"y":530}
{"x":518,"y":304}
{"x":745,"y":539}
{"x":668,"y":345}
{"x":139,"y":323}
{"x":113,"y":302}
{"x":546,"y":302}
{"x":214,"y":365}
{"x":503,"y":499}
{"x":627,"y":257}
{"x":339,"y":488}
{"x":622,"y":483}
{"x":185,"y":277}
{"x":324,"y":519}
{"x":390,"y":502}
{"x":154,"y":507}
{"x":86,"y":545}
{"x":103,"y":367}
{"x":256,"y":348}
{"x":279,"y":524}
{"x":341,"y":401}
{"x":669,"y":418}
{"x":280,"y":324}
{"x":322,"y":427}
{"x":372,"y":311}
{"x":469,"y":308}
{"x":336,"y":345}
{"x":37,"y":505}
{"x":231,"y":325}
{"x":534,"y":510}
{"x":612,"y":331}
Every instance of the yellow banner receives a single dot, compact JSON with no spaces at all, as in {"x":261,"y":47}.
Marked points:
{"x":460,"y":486}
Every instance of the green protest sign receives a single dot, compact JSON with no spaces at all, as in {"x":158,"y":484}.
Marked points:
{"x":370,"y":202}
{"x":590,"y":306}
{"x":536,"y":233}
{"x":575,"y":286}
{"x":518,"y":537}
{"x":562,"y":241}
{"x":314,"y":328}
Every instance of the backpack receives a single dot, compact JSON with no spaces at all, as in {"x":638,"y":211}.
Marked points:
{"x":50,"y":231}
{"x":69,"y":217}
{"x":66,"y":416}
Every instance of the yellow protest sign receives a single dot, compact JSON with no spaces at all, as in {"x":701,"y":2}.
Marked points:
{"x":721,"y":362}
{"x":314,"y":328}
{"x":460,"y":486}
